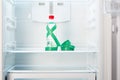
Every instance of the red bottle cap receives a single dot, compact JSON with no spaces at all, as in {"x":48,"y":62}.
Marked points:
{"x":51,"y":17}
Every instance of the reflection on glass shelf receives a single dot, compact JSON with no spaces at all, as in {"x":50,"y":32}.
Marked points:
{"x":40,"y":50}
{"x":51,"y":69}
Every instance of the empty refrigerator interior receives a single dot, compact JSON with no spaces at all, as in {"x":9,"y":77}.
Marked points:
{"x":77,"y":29}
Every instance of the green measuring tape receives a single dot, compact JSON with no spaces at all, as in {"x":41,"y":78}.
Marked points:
{"x":50,"y":33}
{"x":65,"y":46}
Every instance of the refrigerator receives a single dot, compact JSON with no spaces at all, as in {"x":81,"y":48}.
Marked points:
{"x":56,"y":39}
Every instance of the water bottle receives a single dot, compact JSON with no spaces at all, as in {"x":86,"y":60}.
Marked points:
{"x":52,"y":41}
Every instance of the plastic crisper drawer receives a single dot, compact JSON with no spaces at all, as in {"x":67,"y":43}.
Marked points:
{"x":36,"y":72}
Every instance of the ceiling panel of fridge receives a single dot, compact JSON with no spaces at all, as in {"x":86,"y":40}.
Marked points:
{"x":43,"y":9}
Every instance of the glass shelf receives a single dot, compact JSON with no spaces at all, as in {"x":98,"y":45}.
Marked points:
{"x":38,"y":50}
{"x":23,"y":68}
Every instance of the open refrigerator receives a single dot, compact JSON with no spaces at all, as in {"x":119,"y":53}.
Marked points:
{"x":55,"y":39}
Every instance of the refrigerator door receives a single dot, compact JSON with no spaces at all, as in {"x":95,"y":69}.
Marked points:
{"x":116,"y":50}
{"x":114,"y":9}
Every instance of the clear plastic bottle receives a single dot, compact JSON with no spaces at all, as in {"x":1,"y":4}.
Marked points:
{"x":52,"y":41}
